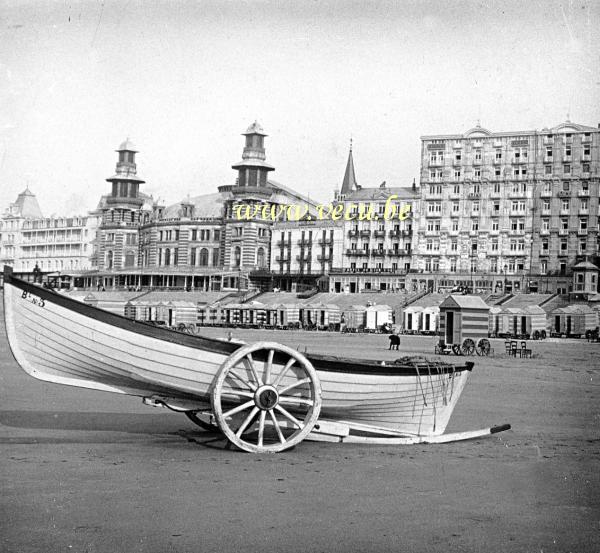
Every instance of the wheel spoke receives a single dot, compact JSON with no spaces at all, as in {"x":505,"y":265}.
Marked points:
{"x":242,"y":380}
{"x":277,"y":428}
{"x":296,"y":400}
{"x":287,"y":367}
{"x":237,"y":393}
{"x":248,"y":420}
{"x":294,"y":385}
{"x":239,"y":408}
{"x":268,"y":367}
{"x":261,"y":428}
{"x":249,"y":364}
{"x":289,"y":416}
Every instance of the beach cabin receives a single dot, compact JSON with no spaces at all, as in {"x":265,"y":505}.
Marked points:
{"x":412,"y":319}
{"x":573,"y":320}
{"x":114,"y":302}
{"x":288,"y":314}
{"x":494,"y":321}
{"x":430,"y":319}
{"x":536,"y":321}
{"x":377,"y":316}
{"x":355,"y":317}
{"x":463,"y":318}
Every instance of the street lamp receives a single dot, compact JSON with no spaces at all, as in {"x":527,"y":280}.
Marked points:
{"x":504,"y":269}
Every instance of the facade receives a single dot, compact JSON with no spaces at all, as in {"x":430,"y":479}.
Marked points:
{"x":507,"y":211}
{"x":53,"y":244}
{"x":213,"y":241}
{"x":365,"y":246}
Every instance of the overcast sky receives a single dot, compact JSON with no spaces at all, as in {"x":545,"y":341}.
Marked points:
{"x":184,"y":79}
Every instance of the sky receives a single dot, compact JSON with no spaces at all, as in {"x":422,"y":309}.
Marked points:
{"x":184,"y":79}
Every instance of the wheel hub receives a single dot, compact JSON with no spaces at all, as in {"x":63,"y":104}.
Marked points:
{"x":266,"y":397}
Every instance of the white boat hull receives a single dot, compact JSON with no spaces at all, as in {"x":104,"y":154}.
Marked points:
{"x":57,"y":342}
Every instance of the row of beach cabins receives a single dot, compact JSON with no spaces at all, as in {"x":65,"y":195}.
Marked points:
{"x":526,"y":321}
{"x":337,"y":312}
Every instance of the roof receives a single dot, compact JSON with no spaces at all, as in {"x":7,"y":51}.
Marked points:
{"x":586,"y":265}
{"x":378,"y":193}
{"x":182,"y":295}
{"x":255,"y":128}
{"x":206,"y":205}
{"x":464,"y":302}
{"x":127,"y":145}
{"x":26,"y":206}
{"x":349,"y":182}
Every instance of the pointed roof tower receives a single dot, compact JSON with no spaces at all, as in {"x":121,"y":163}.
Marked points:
{"x":26,"y":206}
{"x":349,"y":183}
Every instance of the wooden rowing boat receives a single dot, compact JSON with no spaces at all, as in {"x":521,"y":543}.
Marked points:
{"x":264,"y":390}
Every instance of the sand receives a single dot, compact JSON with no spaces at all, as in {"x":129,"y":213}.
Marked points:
{"x":87,"y":471}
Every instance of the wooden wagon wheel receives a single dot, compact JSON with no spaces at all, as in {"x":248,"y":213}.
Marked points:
{"x":483,"y":347}
{"x":456,"y":349}
{"x":468,"y":347}
{"x":543,"y":334}
{"x":252,"y":399}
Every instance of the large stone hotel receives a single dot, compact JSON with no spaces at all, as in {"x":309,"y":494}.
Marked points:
{"x":495,"y":212}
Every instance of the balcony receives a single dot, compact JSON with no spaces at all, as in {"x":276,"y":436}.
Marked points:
{"x":397,"y":253}
{"x":564,"y":193}
{"x":586,"y":157}
{"x":544,"y":253}
{"x":474,"y":195}
{"x":563,"y":232}
{"x":379,"y":233}
{"x":584,"y":211}
{"x":325,"y":257}
{"x":395,"y":233}
{"x":304,"y":243}
{"x":549,"y":140}
{"x":357,"y":252}
{"x":378,"y":253}
{"x":546,"y":212}
{"x":546,"y":194}
{"x":353,"y":233}
{"x":582,"y":232}
{"x":518,"y":160}
{"x":325,"y":242}
{"x":302,"y":259}
{"x":455,"y":214}
{"x":567,"y":158}
{"x":364,"y":233}
{"x":281,"y":243}
{"x":282,"y":259}
{"x":584,"y":193}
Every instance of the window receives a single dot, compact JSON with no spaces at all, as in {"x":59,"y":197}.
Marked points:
{"x":260,"y":257}
{"x":494,"y":245}
{"x":567,"y":169}
{"x":436,"y":156}
{"x":477,"y":173}
{"x":457,"y":174}
{"x":455,"y":225}
{"x":478,"y":155}
{"x":546,"y":205}
{"x":434,"y":207}
{"x":237,"y":231}
{"x":193,"y":257}
{"x":456,"y":189}
{"x":583,"y":206}
{"x":455,"y":207}
{"x":586,"y":168}
{"x":548,"y":169}
{"x":237,"y":256}
{"x":583,"y":225}
{"x":563,"y":246}
{"x":545,"y":224}
{"x":582,"y":246}
{"x":458,"y":156}
{"x":497,"y":172}
{"x":566,"y":186}
{"x":474,"y":224}
{"x":129,"y":259}
{"x":496,"y":188}
{"x":454,"y":246}
{"x":548,"y":152}
{"x":564,"y":205}
{"x":498,"y":155}
{"x":564,"y":224}
{"x":545,"y":246}
{"x":495,"y":225}
{"x":194,"y":235}
{"x":543,"y":267}
{"x":453,"y":265}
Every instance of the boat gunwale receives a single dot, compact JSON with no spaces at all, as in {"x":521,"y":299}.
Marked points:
{"x":321,"y":362}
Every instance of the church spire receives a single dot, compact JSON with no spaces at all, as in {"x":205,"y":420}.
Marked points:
{"x":349,"y":183}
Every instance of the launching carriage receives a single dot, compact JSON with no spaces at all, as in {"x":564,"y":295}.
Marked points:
{"x":464,"y":326}
{"x":264,"y":397}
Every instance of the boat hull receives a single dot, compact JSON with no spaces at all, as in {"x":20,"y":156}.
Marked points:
{"x":60,"y":340}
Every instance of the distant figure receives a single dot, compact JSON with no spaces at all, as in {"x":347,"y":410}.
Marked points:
{"x":394,"y":341}
{"x":230,"y":336}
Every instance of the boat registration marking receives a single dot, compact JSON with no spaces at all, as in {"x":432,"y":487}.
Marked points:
{"x":33,"y":299}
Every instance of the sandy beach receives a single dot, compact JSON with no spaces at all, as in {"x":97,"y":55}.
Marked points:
{"x":86,"y":471}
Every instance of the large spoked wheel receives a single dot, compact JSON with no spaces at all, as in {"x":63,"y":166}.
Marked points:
{"x":483,"y":347}
{"x":456,"y":349}
{"x":468,"y":347}
{"x":266,"y":397}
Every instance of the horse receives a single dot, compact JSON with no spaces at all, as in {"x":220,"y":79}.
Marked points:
{"x":394,"y":341}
